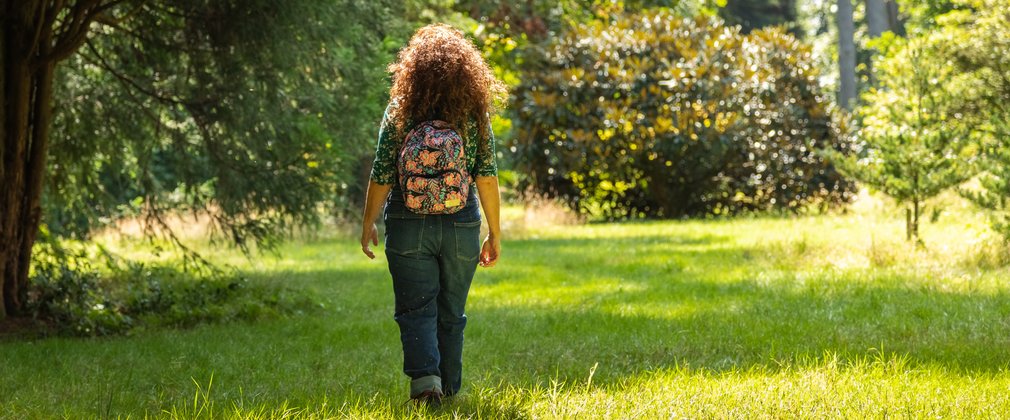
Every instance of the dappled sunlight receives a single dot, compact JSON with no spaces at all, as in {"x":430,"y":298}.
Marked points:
{"x":689,"y":318}
{"x":705,"y":209}
{"x":649,"y":295}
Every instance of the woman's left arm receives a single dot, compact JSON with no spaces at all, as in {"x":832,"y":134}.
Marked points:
{"x":374,"y":199}
{"x":490,"y":201}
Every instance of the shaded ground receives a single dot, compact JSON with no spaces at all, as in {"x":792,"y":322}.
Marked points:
{"x":13,"y":328}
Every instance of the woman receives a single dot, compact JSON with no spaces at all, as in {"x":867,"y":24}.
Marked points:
{"x":440,"y":75}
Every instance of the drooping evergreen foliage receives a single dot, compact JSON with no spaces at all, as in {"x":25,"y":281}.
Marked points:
{"x":657,"y":115}
{"x":253,"y":111}
{"x":257,"y":114}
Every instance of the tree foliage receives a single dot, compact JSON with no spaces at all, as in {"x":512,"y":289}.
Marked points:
{"x":982,"y":40}
{"x":662,"y":116}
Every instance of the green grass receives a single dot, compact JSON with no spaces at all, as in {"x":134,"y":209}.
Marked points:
{"x":829,"y":316}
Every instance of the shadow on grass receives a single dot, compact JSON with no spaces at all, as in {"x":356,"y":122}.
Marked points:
{"x":650,"y":302}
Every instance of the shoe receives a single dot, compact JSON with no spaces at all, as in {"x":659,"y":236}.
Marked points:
{"x":431,"y":398}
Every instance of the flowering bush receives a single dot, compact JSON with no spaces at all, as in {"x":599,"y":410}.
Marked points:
{"x":656,"y":115}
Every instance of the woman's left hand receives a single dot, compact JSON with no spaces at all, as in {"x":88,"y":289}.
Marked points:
{"x":490,"y":251}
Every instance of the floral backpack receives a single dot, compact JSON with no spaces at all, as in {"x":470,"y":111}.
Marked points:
{"x":432,"y":168}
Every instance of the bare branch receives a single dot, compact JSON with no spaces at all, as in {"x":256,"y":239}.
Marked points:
{"x":156,"y":225}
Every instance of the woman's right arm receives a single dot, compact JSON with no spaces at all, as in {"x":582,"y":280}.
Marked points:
{"x":380,"y":181}
{"x":374,"y":199}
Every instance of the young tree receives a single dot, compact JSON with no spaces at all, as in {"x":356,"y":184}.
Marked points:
{"x":983,"y":51}
{"x":916,"y":144}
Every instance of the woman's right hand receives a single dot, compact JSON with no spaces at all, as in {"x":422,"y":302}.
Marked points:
{"x":369,"y":234}
{"x":375,"y":196}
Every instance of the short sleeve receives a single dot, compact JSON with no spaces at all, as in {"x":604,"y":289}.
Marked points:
{"x":486,"y":162}
{"x":384,"y":166}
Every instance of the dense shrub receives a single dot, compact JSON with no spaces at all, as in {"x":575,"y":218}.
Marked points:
{"x":70,"y":297}
{"x":655,"y":115}
{"x":74,"y":297}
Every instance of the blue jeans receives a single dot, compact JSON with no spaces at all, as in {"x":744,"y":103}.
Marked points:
{"x":432,"y":259}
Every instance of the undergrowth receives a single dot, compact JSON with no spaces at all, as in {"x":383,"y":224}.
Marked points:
{"x":69,"y":294}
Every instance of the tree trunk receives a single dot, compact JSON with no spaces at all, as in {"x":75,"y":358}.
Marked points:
{"x":908,"y":224}
{"x":3,"y":147}
{"x":917,"y":209}
{"x":846,"y":55}
{"x":18,"y":84}
{"x":894,"y":22}
{"x":29,"y":52}
{"x":31,"y":210}
{"x":876,"y":17}
{"x":877,"y":23}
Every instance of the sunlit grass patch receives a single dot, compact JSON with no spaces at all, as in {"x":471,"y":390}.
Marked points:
{"x":879,"y":385}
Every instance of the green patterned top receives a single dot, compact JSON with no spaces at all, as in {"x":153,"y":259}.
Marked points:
{"x":479,"y":154}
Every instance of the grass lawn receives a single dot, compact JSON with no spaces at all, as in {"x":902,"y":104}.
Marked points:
{"x":826,"y":316}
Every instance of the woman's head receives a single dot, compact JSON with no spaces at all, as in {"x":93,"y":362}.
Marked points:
{"x":441,"y":75}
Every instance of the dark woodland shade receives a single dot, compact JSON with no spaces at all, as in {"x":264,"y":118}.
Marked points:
{"x":757,"y":14}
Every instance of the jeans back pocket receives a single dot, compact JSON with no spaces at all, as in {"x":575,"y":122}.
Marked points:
{"x":467,"y":240}
{"x":404,"y":233}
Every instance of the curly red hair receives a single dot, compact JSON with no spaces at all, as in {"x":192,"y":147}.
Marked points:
{"x":440,"y":75}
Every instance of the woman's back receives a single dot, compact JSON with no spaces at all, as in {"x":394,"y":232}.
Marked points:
{"x":432,"y":255}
